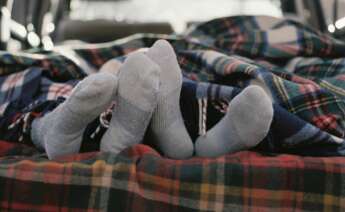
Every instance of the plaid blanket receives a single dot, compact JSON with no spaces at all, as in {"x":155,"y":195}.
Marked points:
{"x":301,"y":69}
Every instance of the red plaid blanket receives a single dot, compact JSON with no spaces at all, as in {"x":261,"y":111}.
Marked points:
{"x":141,"y":180}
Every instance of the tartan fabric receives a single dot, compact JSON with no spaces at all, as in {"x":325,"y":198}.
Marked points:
{"x":26,"y":95}
{"x":57,"y":66}
{"x":300,"y":68}
{"x":139,"y":179}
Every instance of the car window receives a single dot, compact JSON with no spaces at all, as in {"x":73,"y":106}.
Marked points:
{"x":177,"y":12}
{"x":334,"y":21}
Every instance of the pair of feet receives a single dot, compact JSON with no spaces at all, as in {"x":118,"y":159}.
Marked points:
{"x":146,"y":90}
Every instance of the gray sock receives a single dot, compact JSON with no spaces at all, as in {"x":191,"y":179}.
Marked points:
{"x":167,"y":124}
{"x":135,"y":102}
{"x":60,"y":132}
{"x":111,"y":66}
{"x":246,"y":123}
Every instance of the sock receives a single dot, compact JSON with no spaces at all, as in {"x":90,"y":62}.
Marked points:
{"x":60,"y":132}
{"x":111,"y":66}
{"x":167,"y":125}
{"x":245,"y":124}
{"x":135,"y":102}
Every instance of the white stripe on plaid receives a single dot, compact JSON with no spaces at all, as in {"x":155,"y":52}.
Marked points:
{"x":3,"y":107}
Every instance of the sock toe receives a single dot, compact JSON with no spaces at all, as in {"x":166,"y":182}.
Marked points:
{"x":111,"y":66}
{"x":94,"y":94}
{"x":138,"y":59}
{"x":96,"y":86}
{"x":252,"y":114}
{"x":161,"y":48}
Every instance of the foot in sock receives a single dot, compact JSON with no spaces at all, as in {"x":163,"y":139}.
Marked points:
{"x":135,"y":102}
{"x":245,"y":124}
{"x":111,"y":66}
{"x":167,"y":125}
{"x":60,"y":132}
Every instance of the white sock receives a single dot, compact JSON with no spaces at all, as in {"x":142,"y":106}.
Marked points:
{"x":60,"y":132}
{"x":167,"y":124}
{"x":245,"y":124}
{"x":135,"y":102}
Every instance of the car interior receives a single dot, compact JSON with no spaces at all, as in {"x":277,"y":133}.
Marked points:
{"x":42,"y":23}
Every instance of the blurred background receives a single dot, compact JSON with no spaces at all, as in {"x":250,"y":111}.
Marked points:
{"x":26,"y":24}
